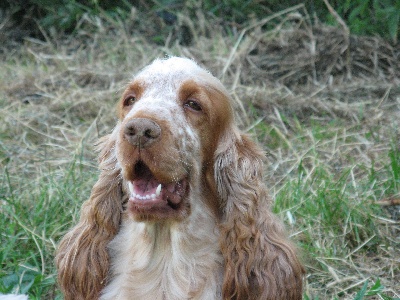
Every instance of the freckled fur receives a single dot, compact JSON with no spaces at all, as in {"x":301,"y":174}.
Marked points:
{"x":224,"y":243}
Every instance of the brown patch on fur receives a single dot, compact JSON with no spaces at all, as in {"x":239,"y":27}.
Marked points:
{"x":135,"y":89}
{"x":214,"y":119}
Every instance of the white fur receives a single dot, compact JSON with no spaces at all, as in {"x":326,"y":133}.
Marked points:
{"x":166,"y":261}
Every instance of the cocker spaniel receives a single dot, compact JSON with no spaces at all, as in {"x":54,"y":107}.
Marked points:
{"x":180,"y":210}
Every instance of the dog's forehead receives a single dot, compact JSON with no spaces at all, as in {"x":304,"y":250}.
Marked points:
{"x":161,"y":86}
{"x":161,"y":81}
{"x":172,"y":71}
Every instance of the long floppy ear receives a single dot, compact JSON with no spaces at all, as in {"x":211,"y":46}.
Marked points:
{"x":260,"y":261}
{"x":82,"y":259}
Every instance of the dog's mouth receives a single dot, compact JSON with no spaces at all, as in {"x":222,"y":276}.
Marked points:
{"x":149,"y":197}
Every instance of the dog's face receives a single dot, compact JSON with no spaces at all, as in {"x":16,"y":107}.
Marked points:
{"x":172,"y":116}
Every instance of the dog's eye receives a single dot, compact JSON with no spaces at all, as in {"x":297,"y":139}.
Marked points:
{"x":193,"y":105}
{"x":129,"y":100}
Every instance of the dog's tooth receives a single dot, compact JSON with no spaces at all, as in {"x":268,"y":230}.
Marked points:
{"x":130,"y":185}
{"x":147,"y":196}
{"x":158,"y":190}
{"x":153,"y":196}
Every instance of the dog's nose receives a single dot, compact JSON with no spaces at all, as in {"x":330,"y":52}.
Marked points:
{"x":142,"y":132}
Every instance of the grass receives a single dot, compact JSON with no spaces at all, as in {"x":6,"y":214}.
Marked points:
{"x":36,"y":213}
{"x":332,"y":151}
{"x":332,"y":213}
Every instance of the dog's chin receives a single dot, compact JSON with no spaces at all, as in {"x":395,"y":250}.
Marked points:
{"x":151,"y":199}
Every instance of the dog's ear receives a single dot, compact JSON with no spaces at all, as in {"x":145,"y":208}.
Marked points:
{"x":82,"y":259}
{"x":260,"y":261}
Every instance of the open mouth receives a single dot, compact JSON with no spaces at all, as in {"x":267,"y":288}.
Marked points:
{"x":150,"y":196}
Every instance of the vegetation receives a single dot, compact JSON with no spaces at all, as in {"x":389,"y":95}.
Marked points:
{"x":329,"y":126}
{"x":371,"y":17}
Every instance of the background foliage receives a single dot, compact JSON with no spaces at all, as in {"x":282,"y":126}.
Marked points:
{"x":364,"y":17}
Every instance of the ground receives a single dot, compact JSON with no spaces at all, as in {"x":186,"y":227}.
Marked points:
{"x":324,"y":107}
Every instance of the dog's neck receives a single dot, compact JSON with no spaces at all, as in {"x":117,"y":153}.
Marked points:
{"x":166,"y":260}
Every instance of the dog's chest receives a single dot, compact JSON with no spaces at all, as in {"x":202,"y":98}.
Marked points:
{"x":157,"y":264}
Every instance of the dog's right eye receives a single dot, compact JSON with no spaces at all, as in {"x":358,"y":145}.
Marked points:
{"x":129,"y":100}
{"x":193,"y":105}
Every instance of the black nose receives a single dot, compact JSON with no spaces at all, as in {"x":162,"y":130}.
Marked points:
{"x":142,"y":132}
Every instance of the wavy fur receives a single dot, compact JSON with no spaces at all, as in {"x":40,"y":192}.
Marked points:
{"x":82,"y":257}
{"x":260,"y":261}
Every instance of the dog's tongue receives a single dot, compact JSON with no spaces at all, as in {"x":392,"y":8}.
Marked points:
{"x":145,"y":189}
{"x":152,"y":190}
{"x":145,"y":186}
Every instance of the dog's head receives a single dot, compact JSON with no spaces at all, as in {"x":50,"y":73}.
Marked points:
{"x":172,"y":117}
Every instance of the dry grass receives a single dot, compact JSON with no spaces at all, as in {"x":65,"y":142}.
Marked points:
{"x":328,"y":124}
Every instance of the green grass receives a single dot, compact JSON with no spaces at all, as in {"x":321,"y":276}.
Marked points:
{"x":327,"y":197}
{"x":329,"y":161}
{"x":371,"y":17}
{"x":36,"y":213}
{"x":334,"y":218}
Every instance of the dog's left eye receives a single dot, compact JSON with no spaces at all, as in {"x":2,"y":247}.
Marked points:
{"x":130,"y":100}
{"x":193,"y":105}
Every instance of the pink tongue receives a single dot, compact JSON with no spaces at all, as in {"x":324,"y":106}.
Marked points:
{"x":147,"y":189}
{"x":144,"y":187}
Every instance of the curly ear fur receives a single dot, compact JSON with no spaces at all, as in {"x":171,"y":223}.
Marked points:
{"x":260,"y":261}
{"x":82,"y":259}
